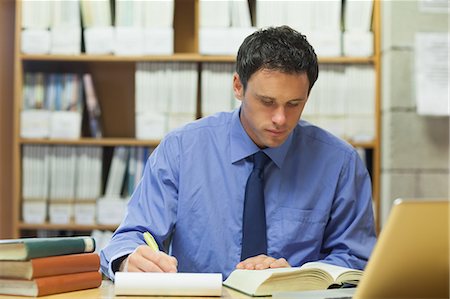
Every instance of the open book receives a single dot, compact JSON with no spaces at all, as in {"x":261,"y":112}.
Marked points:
{"x":310,"y":276}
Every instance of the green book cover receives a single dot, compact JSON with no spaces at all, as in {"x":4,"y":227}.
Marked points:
{"x":29,"y":248}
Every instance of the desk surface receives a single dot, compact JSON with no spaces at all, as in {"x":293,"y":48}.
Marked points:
{"x":106,"y":291}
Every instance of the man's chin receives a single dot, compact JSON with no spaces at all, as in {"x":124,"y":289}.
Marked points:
{"x":275,"y":142}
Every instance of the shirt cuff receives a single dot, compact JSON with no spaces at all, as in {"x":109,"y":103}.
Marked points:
{"x":114,"y":265}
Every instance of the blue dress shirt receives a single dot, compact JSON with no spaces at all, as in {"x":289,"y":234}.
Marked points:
{"x":317,"y":194}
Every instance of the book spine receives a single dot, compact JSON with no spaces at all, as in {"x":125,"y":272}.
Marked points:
{"x":59,"y":246}
{"x":65,"y":264}
{"x":67,"y":283}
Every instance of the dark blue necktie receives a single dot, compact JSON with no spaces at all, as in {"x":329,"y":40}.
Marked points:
{"x":254,"y":239}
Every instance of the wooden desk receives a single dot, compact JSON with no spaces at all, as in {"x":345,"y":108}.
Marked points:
{"x":106,"y":291}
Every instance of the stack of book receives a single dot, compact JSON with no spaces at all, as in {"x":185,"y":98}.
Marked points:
{"x":45,"y":266}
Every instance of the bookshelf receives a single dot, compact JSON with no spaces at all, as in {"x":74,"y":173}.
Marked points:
{"x":115,"y":88}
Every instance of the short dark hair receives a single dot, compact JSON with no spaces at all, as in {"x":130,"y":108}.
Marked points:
{"x":276,"y":48}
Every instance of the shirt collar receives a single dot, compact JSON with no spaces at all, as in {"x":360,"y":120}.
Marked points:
{"x":241,"y":145}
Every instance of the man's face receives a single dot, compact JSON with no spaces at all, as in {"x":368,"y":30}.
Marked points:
{"x":272,"y":105}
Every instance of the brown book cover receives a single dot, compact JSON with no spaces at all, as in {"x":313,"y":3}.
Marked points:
{"x":51,"y":284}
{"x":50,"y":266}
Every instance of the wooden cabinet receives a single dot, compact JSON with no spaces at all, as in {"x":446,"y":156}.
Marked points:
{"x":115,"y":87}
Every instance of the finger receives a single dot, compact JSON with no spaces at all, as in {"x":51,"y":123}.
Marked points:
{"x":163,"y":261}
{"x":166,"y":262}
{"x":264,"y":263}
{"x":138,"y":263}
{"x":280,"y":263}
{"x":240,"y":265}
{"x":250,"y":263}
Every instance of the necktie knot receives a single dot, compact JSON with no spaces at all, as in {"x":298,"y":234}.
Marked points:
{"x":260,"y":160}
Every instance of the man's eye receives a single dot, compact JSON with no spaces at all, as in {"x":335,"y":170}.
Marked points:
{"x":294,"y":103}
{"x":267,"y":102}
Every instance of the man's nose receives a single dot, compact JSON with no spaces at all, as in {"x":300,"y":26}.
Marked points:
{"x":279,"y":116}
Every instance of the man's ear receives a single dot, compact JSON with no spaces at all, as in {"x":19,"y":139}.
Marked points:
{"x":238,"y":88}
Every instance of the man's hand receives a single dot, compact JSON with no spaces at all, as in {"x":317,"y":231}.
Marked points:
{"x":261,"y":262}
{"x":145,"y":259}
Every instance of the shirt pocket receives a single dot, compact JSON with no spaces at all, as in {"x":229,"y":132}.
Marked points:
{"x":299,"y":228}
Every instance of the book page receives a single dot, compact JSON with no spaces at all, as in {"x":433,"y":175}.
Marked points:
{"x":168,"y":284}
{"x":248,"y":281}
{"x":338,"y":273}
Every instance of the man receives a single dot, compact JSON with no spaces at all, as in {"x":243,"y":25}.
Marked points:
{"x":317,"y":193}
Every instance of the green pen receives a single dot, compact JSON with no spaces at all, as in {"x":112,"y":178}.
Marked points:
{"x":151,"y":241}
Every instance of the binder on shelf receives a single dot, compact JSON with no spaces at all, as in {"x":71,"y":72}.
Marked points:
{"x":35,"y":183}
{"x":326,"y":43}
{"x":88,"y":183}
{"x":209,"y":16}
{"x":240,"y":13}
{"x":84,"y":212}
{"x":222,"y":41}
{"x":358,"y":37}
{"x":117,"y":171}
{"x":129,"y":13}
{"x":222,"y":34}
{"x":65,"y":28}
{"x":36,"y":21}
{"x":99,"y":40}
{"x":34,"y":211}
{"x":36,"y":14}
{"x":158,"y":41}
{"x":62,"y":184}
{"x":35,"y":41}
{"x":158,"y":14}
{"x":128,"y":40}
{"x":271,"y":13}
{"x":65,"y":125}
{"x":60,"y":212}
{"x":158,"y":27}
{"x":96,"y":13}
{"x":88,"y":173}
{"x":35,"y":123}
{"x":97,"y":23}
{"x":65,"y":40}
{"x":358,"y":15}
{"x":217,"y":93}
{"x":65,"y":14}
{"x":111,"y":210}
{"x":357,"y":44}
{"x":92,"y":107}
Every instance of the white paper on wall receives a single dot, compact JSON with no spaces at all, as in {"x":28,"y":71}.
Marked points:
{"x":432,"y":78}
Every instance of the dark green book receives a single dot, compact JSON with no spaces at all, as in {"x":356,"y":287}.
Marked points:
{"x":29,"y":248}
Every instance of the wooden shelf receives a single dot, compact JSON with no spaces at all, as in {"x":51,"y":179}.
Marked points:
{"x":183,"y":57}
{"x":92,"y":141}
{"x":132,"y":142}
{"x":188,"y":57}
{"x":71,"y":226}
{"x":366,"y":145}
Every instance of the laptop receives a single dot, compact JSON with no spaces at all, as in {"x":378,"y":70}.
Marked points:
{"x":410,"y":258}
